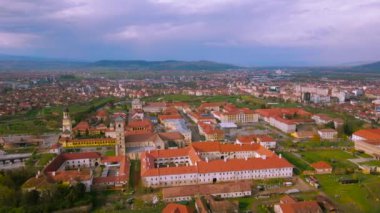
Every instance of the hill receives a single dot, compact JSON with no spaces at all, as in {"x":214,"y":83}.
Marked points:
{"x":163,"y":65}
{"x":370,"y":67}
{"x":26,"y":63}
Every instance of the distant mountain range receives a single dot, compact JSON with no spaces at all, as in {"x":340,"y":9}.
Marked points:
{"x":370,"y":66}
{"x":163,"y":65}
{"x":26,"y":63}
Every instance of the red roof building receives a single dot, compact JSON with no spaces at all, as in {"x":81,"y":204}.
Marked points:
{"x":264,"y":140}
{"x":322,"y":167}
{"x":177,"y":208}
{"x":208,"y":162}
{"x":139,"y":126}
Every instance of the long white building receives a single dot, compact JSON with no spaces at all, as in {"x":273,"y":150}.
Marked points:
{"x":211,"y":162}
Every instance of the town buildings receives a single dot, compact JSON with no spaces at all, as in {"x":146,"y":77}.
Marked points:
{"x":264,"y":140}
{"x":71,"y":168}
{"x":210,"y":131}
{"x":328,"y":134}
{"x":322,"y":167}
{"x":177,"y":208}
{"x":367,"y":140}
{"x":222,"y":190}
{"x":211,"y":162}
{"x":232,"y":114}
{"x":290,"y":205}
{"x":285,"y":119}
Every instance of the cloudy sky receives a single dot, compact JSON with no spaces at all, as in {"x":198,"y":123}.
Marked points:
{"x":245,"y":32}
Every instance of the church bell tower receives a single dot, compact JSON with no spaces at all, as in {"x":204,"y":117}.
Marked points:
{"x":67,"y":127}
{"x":120,"y":136}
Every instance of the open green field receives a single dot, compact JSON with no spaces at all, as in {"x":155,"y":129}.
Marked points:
{"x":245,"y":203}
{"x":38,"y":161}
{"x":371,"y":163}
{"x":45,"y":158}
{"x":134,"y":175}
{"x":110,"y":152}
{"x":337,"y":158}
{"x":239,"y":100}
{"x":297,"y":162}
{"x":360,"y":197}
{"x":47,"y":119}
{"x":245,"y":101}
{"x":317,"y":144}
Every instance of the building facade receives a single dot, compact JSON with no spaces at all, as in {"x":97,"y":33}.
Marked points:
{"x":211,"y":162}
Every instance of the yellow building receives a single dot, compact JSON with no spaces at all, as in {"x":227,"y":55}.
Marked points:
{"x":91,"y":142}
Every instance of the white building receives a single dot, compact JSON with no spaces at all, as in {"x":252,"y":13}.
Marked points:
{"x":211,"y":162}
{"x":327,"y":134}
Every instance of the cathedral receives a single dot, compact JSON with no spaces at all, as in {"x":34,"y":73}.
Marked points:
{"x":115,"y":136}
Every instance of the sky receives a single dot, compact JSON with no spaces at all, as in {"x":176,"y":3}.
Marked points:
{"x":242,"y":32}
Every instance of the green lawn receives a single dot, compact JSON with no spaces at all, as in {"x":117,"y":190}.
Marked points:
{"x":134,"y":176}
{"x":239,"y":100}
{"x":48,"y":119}
{"x":45,"y":158}
{"x":245,"y":203}
{"x":371,"y":163}
{"x":110,"y":152}
{"x":38,"y":161}
{"x":317,"y":144}
{"x":359,"y":197}
{"x":337,"y":158}
{"x":297,"y":162}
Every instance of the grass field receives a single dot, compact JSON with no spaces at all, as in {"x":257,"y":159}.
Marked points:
{"x":297,"y":162}
{"x":371,"y":163}
{"x":134,"y":175}
{"x":45,"y":158}
{"x":337,"y":158}
{"x":48,"y":119}
{"x":110,"y":152}
{"x":359,"y":197}
{"x":239,"y":100}
{"x":38,"y":161}
{"x":245,"y":203}
{"x":317,"y":144}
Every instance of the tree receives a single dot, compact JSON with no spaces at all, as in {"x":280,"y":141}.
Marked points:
{"x":8,"y":196}
{"x":330,"y":125}
{"x":348,"y":128}
{"x":79,"y":189}
{"x":30,"y":198}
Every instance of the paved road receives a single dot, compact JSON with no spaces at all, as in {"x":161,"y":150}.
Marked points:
{"x":195,"y":136}
{"x":357,"y":161}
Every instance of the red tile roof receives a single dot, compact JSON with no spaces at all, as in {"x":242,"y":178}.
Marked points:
{"x":321,"y":165}
{"x":254,"y":138}
{"x":301,"y":207}
{"x":200,"y":166}
{"x":280,"y":112}
{"x":287,"y":199}
{"x":82,"y":126}
{"x":169,"y":117}
{"x":242,"y":164}
{"x":102,"y":113}
{"x":60,"y":159}
{"x":177,"y":208}
{"x":206,"y":189}
{"x":368,"y":134}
